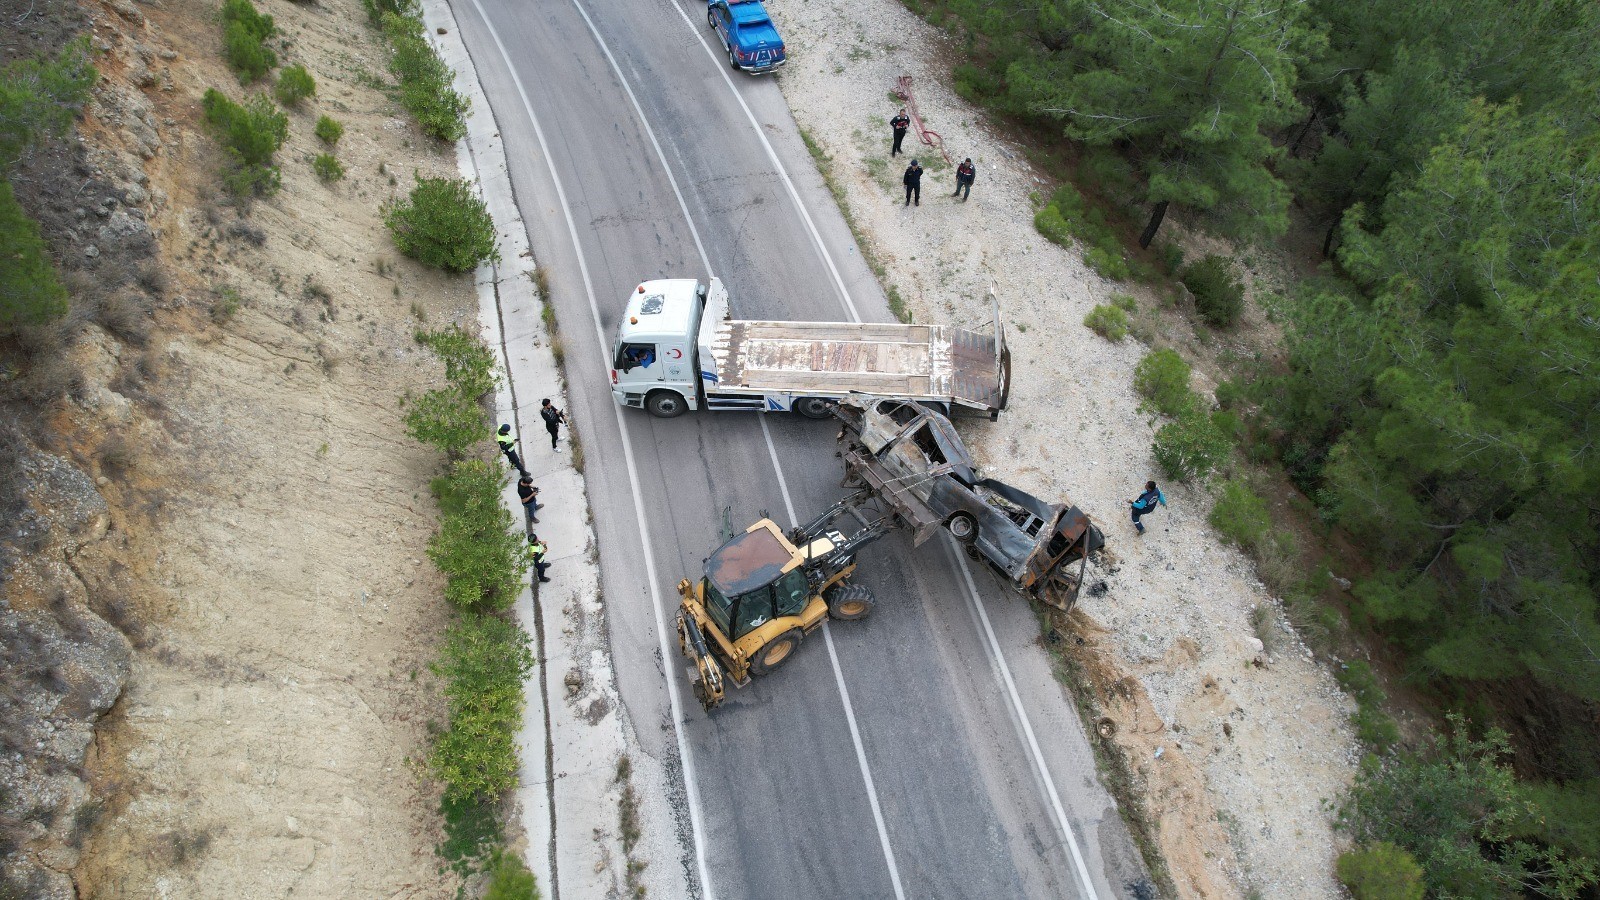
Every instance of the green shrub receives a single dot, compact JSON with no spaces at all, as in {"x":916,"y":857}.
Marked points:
{"x":1191,"y":446}
{"x":1218,"y":297}
{"x":446,"y":420}
{"x":1229,"y":394}
{"x":1456,"y":806}
{"x":510,"y":879}
{"x":1171,"y":258}
{"x":40,"y":97}
{"x":244,"y":34}
{"x":295,"y":84}
{"x":1162,"y":379}
{"x":425,"y":81}
{"x":444,"y":225}
{"x":1125,"y":302}
{"x":1372,"y":724}
{"x":250,"y":58}
{"x":377,"y":8}
{"x":483,"y":662}
{"x":327,"y":167}
{"x":1240,"y":515}
{"x":1381,"y":871}
{"x":30,"y":292}
{"x":251,"y":133}
{"x":329,"y":131}
{"x":469,"y":365}
{"x":1109,"y":263}
{"x":1110,"y":322}
{"x":484,"y":562}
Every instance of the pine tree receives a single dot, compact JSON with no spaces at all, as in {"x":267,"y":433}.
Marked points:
{"x":1189,"y":86}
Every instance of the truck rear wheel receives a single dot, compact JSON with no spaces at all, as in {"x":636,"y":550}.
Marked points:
{"x":666,"y":404}
{"x":776,"y":652}
{"x":849,"y":602}
{"x":963,"y":527}
{"x":814,"y":407}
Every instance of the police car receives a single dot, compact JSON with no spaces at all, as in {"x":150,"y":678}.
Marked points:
{"x":746,"y":30}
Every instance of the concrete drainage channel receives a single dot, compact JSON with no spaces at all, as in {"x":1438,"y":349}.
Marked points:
{"x":593,"y":813}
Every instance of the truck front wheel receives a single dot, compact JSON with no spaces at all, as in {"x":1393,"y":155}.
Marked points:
{"x":665,"y":404}
{"x":776,"y":652}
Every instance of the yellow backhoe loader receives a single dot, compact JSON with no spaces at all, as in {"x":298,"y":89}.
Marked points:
{"x":764,"y":591}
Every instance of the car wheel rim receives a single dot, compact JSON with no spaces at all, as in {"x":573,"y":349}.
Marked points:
{"x":777,"y":653}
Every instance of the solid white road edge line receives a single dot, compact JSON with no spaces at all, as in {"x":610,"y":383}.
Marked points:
{"x":691,"y":789}
{"x":993,"y":644}
{"x":705,"y":261}
{"x":1022,"y":719}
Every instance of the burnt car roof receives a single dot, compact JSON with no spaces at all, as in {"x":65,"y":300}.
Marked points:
{"x":881,"y":420}
{"x":751,"y":560}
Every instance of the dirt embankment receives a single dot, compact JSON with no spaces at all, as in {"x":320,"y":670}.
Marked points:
{"x":1235,"y":750}
{"x":260,"y":519}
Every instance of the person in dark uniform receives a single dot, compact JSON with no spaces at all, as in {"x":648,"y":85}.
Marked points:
{"x":913,"y":183}
{"x":965,"y":173}
{"x":899,"y":123}
{"x":553,"y":419}
{"x":529,"y":495}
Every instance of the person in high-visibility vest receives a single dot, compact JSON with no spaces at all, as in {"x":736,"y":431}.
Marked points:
{"x":539,"y":550}
{"x":508,"y":446}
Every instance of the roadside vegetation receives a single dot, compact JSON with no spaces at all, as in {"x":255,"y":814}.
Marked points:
{"x":443,"y":224}
{"x":425,"y":80}
{"x":1430,"y":412}
{"x":485,"y":655}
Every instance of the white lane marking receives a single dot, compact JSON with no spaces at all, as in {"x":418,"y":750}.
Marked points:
{"x":1022,"y":718}
{"x":1036,"y":754}
{"x":783,"y":173}
{"x":844,"y":692}
{"x":691,"y":788}
{"x":705,"y":260}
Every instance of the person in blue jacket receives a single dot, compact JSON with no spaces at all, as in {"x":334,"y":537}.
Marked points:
{"x":1146,"y":503}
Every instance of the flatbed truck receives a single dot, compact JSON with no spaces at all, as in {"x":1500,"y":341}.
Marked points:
{"x":678,"y":348}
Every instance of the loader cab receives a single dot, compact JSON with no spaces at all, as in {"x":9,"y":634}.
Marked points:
{"x":754,"y":579}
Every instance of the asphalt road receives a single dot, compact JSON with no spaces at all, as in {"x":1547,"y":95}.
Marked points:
{"x":899,"y":756}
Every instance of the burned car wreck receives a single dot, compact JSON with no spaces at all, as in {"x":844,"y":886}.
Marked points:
{"x":912,"y":458}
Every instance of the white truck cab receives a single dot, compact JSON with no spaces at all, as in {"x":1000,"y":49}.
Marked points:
{"x":653,"y":361}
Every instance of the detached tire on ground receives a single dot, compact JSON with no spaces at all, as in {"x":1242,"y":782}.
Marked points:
{"x":963,"y":527}
{"x":814,"y":407}
{"x":665,"y":405}
{"x":850,"y":602}
{"x":776,"y":652}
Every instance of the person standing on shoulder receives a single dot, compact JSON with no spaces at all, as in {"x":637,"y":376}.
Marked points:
{"x":539,"y":550}
{"x":965,"y":174}
{"x":529,"y":495}
{"x":913,"y":183}
{"x":553,"y":420}
{"x":899,"y":123}
{"x":508,"y":446}
{"x":1146,"y":503}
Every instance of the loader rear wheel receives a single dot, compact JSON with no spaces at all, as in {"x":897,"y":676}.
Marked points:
{"x":665,"y":404}
{"x":852,"y":601}
{"x":776,"y":652}
{"x":963,"y":527}
{"x":814,"y":407}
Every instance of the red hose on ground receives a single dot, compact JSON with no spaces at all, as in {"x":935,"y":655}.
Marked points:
{"x":931,"y":138}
